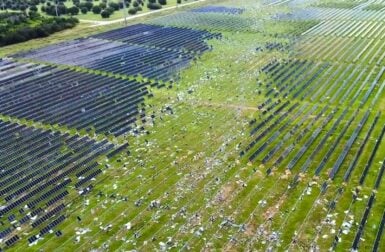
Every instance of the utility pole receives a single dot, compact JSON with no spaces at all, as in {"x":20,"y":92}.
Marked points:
{"x":125,"y":12}
{"x":57,"y":14}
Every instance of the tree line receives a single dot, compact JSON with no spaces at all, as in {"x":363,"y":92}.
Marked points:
{"x":19,"y":27}
{"x":103,"y":7}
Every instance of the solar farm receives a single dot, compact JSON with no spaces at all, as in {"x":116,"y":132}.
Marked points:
{"x":248,"y":125}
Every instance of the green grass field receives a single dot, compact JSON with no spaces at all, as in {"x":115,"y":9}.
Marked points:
{"x":327,"y":65}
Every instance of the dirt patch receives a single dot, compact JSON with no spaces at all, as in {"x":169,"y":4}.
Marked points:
{"x":286,"y":175}
{"x":273,"y":210}
{"x":250,"y":230}
{"x":224,"y":194}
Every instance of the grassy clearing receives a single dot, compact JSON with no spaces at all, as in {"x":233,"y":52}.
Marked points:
{"x":375,"y":7}
{"x":343,"y":4}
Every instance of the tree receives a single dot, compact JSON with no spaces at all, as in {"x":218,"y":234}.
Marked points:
{"x":110,"y":10}
{"x":154,"y":6}
{"x":73,"y":10}
{"x":41,"y":27}
{"x":51,"y":10}
{"x":23,"y":8}
{"x":33,"y":15}
{"x":84,"y":10}
{"x":105,"y":14}
{"x":96,"y":9}
{"x":102,"y":5}
{"x":87,"y":5}
{"x":113,"y":5}
{"x":33,"y":8}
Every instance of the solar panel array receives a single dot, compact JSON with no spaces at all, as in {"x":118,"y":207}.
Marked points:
{"x":181,"y":39}
{"x":39,"y":169}
{"x":73,"y":99}
{"x":114,"y":57}
{"x":151,"y":51}
{"x":211,"y":21}
{"x":327,"y":14}
{"x":219,"y":9}
{"x":43,"y":170}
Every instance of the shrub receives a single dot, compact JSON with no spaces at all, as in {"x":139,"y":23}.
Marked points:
{"x":41,"y":32}
{"x":96,"y":9}
{"x":33,"y":15}
{"x":162,"y":2}
{"x":13,"y":38}
{"x":132,"y":11}
{"x":154,"y":6}
{"x":178,"y":1}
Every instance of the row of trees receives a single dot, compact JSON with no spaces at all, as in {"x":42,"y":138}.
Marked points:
{"x":18,"y":27}
{"x":78,"y":5}
{"x":103,"y":8}
{"x":100,"y":7}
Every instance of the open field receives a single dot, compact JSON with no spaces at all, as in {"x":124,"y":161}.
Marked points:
{"x":234,"y":125}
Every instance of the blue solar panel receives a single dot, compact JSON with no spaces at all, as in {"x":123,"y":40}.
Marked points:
{"x":37,"y":169}
{"x":219,"y":9}
{"x":182,"y":39}
{"x":74,"y":99}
